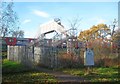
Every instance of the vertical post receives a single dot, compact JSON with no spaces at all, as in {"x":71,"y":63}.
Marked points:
{"x":88,"y":69}
{"x":1,"y":58}
{"x":8,"y":54}
{"x":111,"y":46}
{"x":33,"y":51}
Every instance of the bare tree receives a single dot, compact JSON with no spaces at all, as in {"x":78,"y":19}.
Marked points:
{"x":9,"y":20}
{"x":74,"y":24}
{"x":18,"y":34}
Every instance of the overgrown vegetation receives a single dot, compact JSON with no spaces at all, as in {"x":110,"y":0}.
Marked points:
{"x":96,"y":74}
{"x":70,"y":60}
{"x":28,"y":77}
{"x":12,"y":67}
{"x":17,"y":73}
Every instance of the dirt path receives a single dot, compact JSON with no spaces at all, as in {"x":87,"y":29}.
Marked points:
{"x":63,"y":77}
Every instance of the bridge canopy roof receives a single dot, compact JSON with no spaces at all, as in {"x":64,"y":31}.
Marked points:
{"x":49,"y":27}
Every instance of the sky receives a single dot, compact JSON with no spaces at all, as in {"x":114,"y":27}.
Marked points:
{"x":62,"y":0}
{"x":33,"y":14}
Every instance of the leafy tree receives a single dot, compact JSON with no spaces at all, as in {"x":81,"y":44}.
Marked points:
{"x":99,"y":31}
{"x":95,"y":37}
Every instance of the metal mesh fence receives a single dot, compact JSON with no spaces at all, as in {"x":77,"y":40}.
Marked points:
{"x":52,"y":57}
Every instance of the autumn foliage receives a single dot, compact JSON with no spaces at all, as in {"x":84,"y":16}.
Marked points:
{"x":105,"y":49}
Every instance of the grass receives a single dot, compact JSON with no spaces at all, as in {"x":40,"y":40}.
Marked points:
{"x":17,"y":73}
{"x":12,"y":67}
{"x":28,"y":77}
{"x":96,"y":74}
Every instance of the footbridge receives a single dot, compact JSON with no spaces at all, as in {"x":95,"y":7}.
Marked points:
{"x":61,"y":36}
